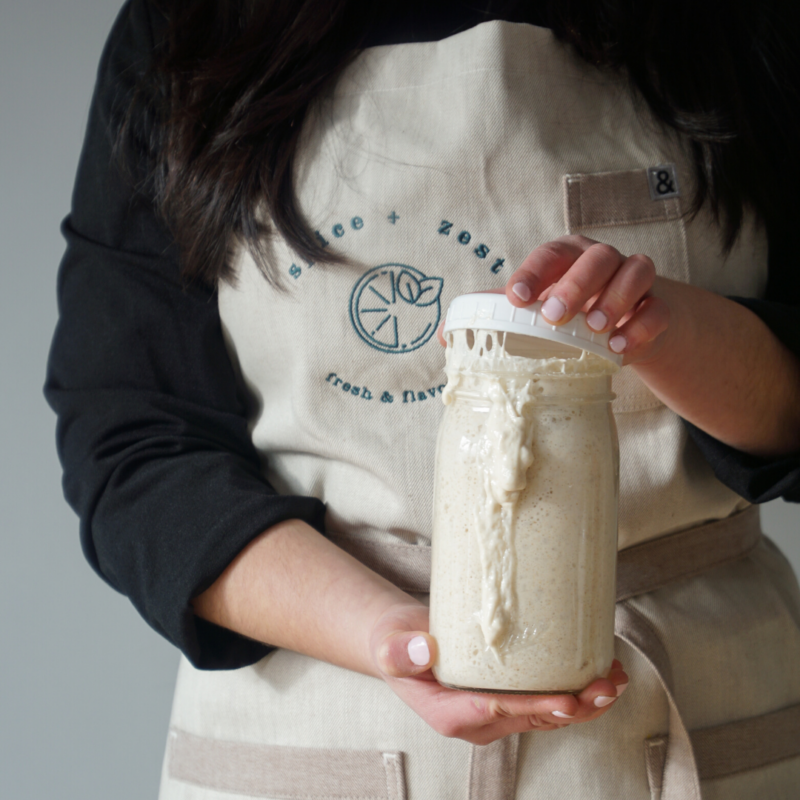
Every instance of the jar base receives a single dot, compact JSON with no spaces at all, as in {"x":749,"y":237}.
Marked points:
{"x":510,"y":691}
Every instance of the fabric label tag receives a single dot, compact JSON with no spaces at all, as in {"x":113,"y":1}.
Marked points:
{"x":663,"y":181}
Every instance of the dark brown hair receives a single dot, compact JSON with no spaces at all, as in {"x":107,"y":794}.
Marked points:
{"x":219,"y":114}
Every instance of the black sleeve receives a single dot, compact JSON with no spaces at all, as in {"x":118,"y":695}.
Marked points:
{"x":758,"y":479}
{"x":157,"y":457}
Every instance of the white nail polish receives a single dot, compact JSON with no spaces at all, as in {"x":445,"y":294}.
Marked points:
{"x":521,"y":291}
{"x":554,"y":309}
{"x":562,"y":715}
{"x":621,"y":688}
{"x":617,"y":343}
{"x":596,"y":320}
{"x":418,"y":651}
{"x":602,"y":702}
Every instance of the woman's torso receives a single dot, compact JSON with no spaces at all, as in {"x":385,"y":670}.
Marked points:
{"x":435,"y":168}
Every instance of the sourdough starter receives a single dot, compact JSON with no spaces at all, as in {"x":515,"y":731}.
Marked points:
{"x":525,"y":517}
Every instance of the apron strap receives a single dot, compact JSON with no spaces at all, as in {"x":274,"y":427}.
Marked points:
{"x":642,"y":568}
{"x":659,"y":562}
{"x":493,"y":770}
{"x":680,"y":779}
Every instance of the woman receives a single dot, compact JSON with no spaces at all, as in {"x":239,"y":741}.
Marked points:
{"x":444,"y":158}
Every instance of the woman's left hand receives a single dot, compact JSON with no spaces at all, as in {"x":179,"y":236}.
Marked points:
{"x":706,"y":357}
{"x":574,"y":274}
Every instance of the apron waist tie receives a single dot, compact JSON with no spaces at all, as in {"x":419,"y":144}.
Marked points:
{"x":642,"y":568}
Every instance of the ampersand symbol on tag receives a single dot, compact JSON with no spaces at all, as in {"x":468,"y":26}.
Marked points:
{"x":665,"y":184}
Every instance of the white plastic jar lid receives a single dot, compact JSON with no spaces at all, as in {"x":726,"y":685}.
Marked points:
{"x":488,"y":311}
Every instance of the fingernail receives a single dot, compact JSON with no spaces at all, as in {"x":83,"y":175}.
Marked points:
{"x":562,"y":715}
{"x":617,"y":343}
{"x":418,"y":651}
{"x":602,"y":702}
{"x":621,"y":688}
{"x":596,"y":320}
{"x":554,"y":309}
{"x":521,"y":291}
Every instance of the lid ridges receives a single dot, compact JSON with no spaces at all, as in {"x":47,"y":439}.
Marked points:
{"x":481,"y":309}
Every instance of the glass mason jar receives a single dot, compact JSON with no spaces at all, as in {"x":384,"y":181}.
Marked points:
{"x":525,"y":503}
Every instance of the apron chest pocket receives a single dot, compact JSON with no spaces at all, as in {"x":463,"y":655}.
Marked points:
{"x":636,"y":211}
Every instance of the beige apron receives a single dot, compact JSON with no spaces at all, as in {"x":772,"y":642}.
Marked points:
{"x":435,"y":168}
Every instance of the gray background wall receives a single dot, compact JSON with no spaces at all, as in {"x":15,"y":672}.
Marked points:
{"x":85,"y":685}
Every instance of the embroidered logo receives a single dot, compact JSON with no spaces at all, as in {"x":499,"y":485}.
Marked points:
{"x":396,"y":308}
{"x":663,"y":181}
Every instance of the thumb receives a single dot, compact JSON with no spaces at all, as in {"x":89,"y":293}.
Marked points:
{"x":402,"y":654}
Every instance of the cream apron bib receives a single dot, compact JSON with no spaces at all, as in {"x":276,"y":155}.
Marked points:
{"x":435,"y":168}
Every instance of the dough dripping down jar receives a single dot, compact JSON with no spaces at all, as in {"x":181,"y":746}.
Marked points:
{"x":525,"y":502}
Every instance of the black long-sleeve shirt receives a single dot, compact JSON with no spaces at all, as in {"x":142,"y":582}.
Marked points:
{"x":152,"y":434}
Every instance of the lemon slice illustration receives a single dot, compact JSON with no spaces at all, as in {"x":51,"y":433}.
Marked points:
{"x":396,"y":308}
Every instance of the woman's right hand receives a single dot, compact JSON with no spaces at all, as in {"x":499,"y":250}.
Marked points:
{"x":403,"y":652}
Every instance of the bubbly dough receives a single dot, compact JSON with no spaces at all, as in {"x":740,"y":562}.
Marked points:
{"x":524,"y":530}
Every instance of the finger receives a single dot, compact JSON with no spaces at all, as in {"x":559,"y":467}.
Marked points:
{"x":632,"y":281}
{"x":649,"y":320}
{"x":544,"y":266}
{"x":483,"y":718}
{"x":602,"y":693}
{"x":499,"y":730}
{"x":532,"y":710}
{"x":618,"y":677}
{"x":620,"y":680}
{"x":589,"y":705}
{"x":599,"y":695}
{"x":492,"y":717}
{"x":402,"y":654}
{"x":587,"y":277}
